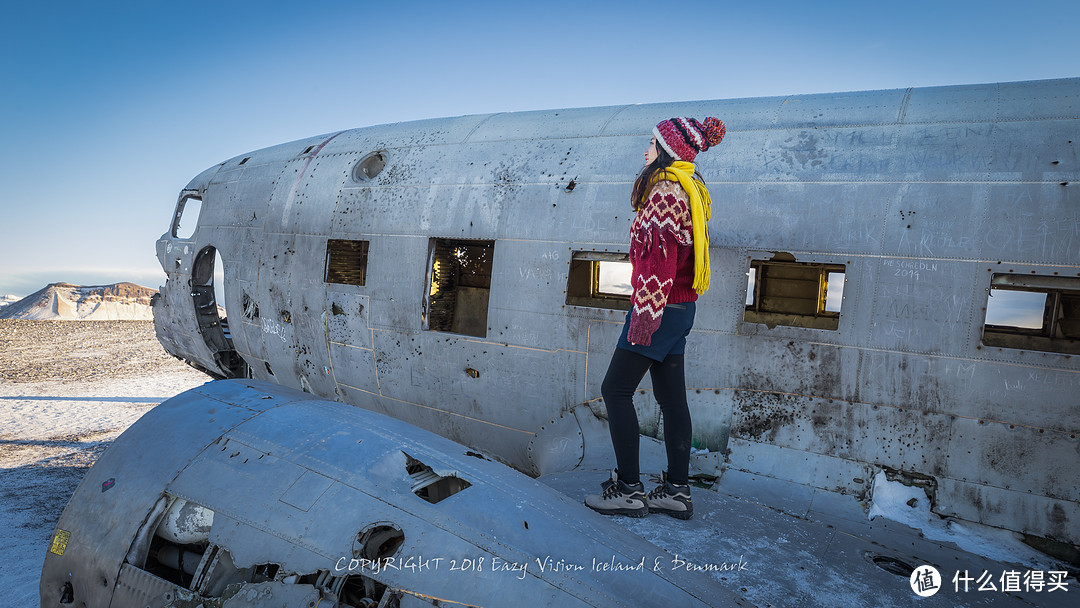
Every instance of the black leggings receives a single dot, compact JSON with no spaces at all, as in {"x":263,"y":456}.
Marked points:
{"x":669,"y":387}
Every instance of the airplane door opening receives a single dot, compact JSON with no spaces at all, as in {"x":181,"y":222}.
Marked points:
{"x":206,"y":293}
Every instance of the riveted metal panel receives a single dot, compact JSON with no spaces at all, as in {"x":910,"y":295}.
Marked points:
{"x":934,"y":221}
{"x":347,"y":321}
{"x":400,"y":267}
{"x":972,"y":104}
{"x":313,"y":194}
{"x":543,"y":124}
{"x":721,"y":308}
{"x":933,"y":316}
{"x":407,"y":134}
{"x":1031,"y":223}
{"x":848,"y":218}
{"x":861,"y":108}
{"x":1038,"y":100}
{"x":807,"y":469}
{"x":988,"y":452}
{"x":953,"y":152}
{"x":1010,"y":509}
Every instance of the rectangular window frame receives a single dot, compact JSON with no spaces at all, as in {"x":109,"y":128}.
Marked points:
{"x":1060,"y":331}
{"x":583,"y":281}
{"x":346,"y":262}
{"x":777,"y":299}
{"x":448,"y":287}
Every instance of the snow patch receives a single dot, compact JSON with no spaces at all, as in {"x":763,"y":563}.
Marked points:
{"x":50,"y":434}
{"x":911,"y":506}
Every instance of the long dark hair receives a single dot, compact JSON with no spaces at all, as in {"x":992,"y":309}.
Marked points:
{"x":641,"y":185}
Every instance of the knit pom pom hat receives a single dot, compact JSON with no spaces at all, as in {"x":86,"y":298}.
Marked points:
{"x":683,"y":138}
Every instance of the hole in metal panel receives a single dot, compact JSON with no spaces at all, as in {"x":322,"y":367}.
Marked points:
{"x":378,"y":541}
{"x":251,"y":308}
{"x":892,"y":565}
{"x":67,"y":594}
{"x":429,"y":485}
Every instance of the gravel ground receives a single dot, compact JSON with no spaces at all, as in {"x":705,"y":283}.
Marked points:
{"x":67,"y":390}
{"x":36,"y":351}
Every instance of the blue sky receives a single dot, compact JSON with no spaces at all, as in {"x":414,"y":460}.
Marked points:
{"x":110,"y":107}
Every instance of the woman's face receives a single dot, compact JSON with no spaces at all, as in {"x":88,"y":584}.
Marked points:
{"x":651,"y":153}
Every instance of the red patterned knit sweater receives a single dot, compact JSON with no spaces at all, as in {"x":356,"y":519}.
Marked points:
{"x":662,"y":255}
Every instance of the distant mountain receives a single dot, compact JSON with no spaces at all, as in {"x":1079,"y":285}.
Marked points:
{"x":64,"y":301}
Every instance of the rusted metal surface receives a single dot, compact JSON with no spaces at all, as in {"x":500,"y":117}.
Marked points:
{"x":920,"y":194}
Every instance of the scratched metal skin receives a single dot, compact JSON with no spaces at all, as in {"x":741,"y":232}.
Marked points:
{"x":293,"y":480}
{"x":922,"y":194}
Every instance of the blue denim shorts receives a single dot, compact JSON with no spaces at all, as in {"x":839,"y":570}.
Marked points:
{"x":669,"y":338}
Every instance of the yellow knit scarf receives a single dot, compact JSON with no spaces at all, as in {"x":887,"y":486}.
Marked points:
{"x":700,"y":210}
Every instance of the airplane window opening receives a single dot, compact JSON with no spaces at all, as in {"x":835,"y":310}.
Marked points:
{"x":460,"y":286}
{"x":752,"y":280}
{"x":834,"y":291}
{"x":186,"y":218}
{"x":1016,"y":309}
{"x":369,"y":166}
{"x":797,"y":294}
{"x":346,"y":262}
{"x":613,"y":279}
{"x":599,"y":280}
{"x":1033,"y":313}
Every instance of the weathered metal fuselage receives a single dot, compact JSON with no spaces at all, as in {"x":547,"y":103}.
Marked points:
{"x":924,"y":199}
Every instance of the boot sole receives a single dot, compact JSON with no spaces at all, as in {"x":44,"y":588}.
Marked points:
{"x":676,"y":514}
{"x":642,"y":512}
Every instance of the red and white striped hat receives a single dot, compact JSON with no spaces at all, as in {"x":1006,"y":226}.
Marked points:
{"x":683,"y":138}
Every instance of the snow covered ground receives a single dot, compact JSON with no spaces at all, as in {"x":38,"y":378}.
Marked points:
{"x":53,"y":428}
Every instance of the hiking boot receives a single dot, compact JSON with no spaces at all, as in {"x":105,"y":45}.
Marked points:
{"x":670,"y":498}
{"x":619,"y":498}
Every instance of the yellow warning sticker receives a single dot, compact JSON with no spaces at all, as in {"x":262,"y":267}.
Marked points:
{"x":60,"y":542}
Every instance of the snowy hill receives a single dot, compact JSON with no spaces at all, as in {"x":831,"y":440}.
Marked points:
{"x":64,"y":301}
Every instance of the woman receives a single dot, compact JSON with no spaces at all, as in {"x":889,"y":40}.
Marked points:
{"x":669,"y":252}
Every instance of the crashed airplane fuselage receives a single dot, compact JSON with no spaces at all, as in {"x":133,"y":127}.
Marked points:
{"x":895,"y":285}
